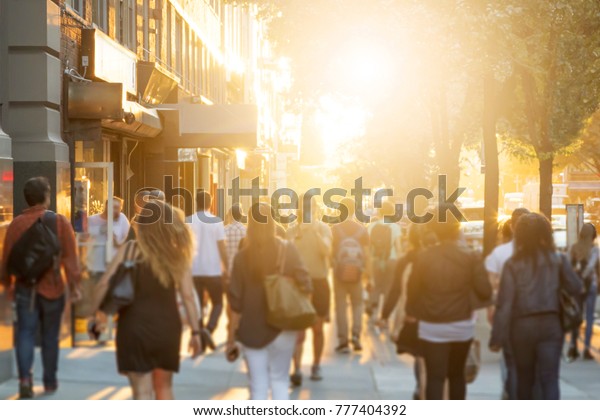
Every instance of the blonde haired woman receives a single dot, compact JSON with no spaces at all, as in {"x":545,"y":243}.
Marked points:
{"x":149,"y":330}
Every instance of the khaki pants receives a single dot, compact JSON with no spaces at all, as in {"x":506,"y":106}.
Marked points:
{"x":341,"y":293}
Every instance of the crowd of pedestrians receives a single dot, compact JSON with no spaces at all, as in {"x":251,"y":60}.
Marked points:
{"x":426,"y":294}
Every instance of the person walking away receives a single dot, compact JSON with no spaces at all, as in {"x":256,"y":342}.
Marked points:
{"x":419,"y":238}
{"x":313,"y":240}
{"x":268,"y":350}
{"x":385,"y":248}
{"x":40,"y":304}
{"x":97,"y":260}
{"x":149,"y":334}
{"x":441,"y":290}
{"x":351,"y":265}
{"x":210,"y":267}
{"x":528,"y":307}
{"x":494,"y":263}
{"x":235,"y":232}
{"x":584,"y":259}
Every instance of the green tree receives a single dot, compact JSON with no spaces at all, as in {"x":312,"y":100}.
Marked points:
{"x":555,"y":46}
{"x":588,"y":153}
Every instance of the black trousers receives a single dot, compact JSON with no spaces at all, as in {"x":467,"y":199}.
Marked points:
{"x":214,"y":287}
{"x":445,"y":361}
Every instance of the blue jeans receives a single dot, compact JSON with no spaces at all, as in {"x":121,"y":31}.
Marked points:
{"x":537,"y":343}
{"x":45,"y":314}
{"x":589,"y":302}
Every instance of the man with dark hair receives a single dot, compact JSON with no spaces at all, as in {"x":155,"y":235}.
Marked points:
{"x":211,"y":265}
{"x":494,"y":264}
{"x":203,"y":200}
{"x":41,"y":304}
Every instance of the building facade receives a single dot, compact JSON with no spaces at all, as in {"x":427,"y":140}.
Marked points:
{"x":105,"y":97}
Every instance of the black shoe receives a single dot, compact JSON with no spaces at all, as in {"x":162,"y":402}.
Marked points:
{"x":587,"y":355}
{"x":296,"y":379}
{"x":50,"y":389}
{"x":25,"y":390}
{"x":207,"y":340}
{"x":572,"y":354}
{"x":356,"y":344}
{"x":343,"y":348}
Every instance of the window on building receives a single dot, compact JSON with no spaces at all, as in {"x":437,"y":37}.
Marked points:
{"x":186,"y":56}
{"x":99,"y":11}
{"x":198,"y":61}
{"x":169,"y":37}
{"x":193,"y":55}
{"x":132,"y":25}
{"x":126,"y":25}
{"x":204,"y":71}
{"x":178,"y":45}
{"x":76,"y":5}
{"x":146,"y":29}
{"x":119,"y":21}
{"x":158,"y":36}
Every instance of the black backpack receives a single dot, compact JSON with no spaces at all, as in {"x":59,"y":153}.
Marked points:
{"x":36,"y":251}
{"x":381,"y":241}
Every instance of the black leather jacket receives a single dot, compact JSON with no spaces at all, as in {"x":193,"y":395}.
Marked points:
{"x":446,"y":284}
{"x":531,"y":288}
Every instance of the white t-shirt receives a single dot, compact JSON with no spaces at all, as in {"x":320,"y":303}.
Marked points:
{"x":208,"y":230}
{"x":447,"y":332}
{"x":97,"y":228}
{"x":496,"y":260}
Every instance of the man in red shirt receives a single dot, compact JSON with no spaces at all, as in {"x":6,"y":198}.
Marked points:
{"x":44,"y":305}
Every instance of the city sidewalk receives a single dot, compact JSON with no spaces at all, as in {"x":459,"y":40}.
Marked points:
{"x":376,"y":373}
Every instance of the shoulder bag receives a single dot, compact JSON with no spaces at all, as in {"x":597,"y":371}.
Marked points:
{"x":571,"y":316}
{"x":287,"y":307}
{"x":121,"y":287}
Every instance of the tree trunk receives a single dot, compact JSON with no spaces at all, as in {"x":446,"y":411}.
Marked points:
{"x":449,"y":167}
{"x":546,"y":164}
{"x":492,"y":176}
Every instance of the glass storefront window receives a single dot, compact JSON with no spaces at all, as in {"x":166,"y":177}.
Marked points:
{"x":6,"y":317}
{"x":92,"y":190}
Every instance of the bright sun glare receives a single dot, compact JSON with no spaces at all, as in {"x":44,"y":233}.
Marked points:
{"x":360,"y":69}
{"x":339,"y":123}
{"x":361,"y":66}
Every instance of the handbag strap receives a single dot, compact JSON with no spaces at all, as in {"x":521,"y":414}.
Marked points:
{"x":129,"y":257}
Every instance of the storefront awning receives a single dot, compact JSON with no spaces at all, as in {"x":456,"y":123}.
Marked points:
{"x":233,"y":126}
{"x":139,"y":121}
{"x":155,"y":84}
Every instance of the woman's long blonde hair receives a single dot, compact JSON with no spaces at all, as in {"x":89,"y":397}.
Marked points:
{"x":166,"y":242}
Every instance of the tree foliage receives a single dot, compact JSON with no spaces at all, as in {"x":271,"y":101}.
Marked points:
{"x":540,"y":58}
{"x":555,"y":50}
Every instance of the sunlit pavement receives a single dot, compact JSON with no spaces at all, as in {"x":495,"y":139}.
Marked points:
{"x":376,"y":373}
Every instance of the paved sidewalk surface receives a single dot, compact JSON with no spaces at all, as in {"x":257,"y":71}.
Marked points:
{"x":376,"y":373}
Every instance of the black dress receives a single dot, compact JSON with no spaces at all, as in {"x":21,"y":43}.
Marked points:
{"x":149,"y":330}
